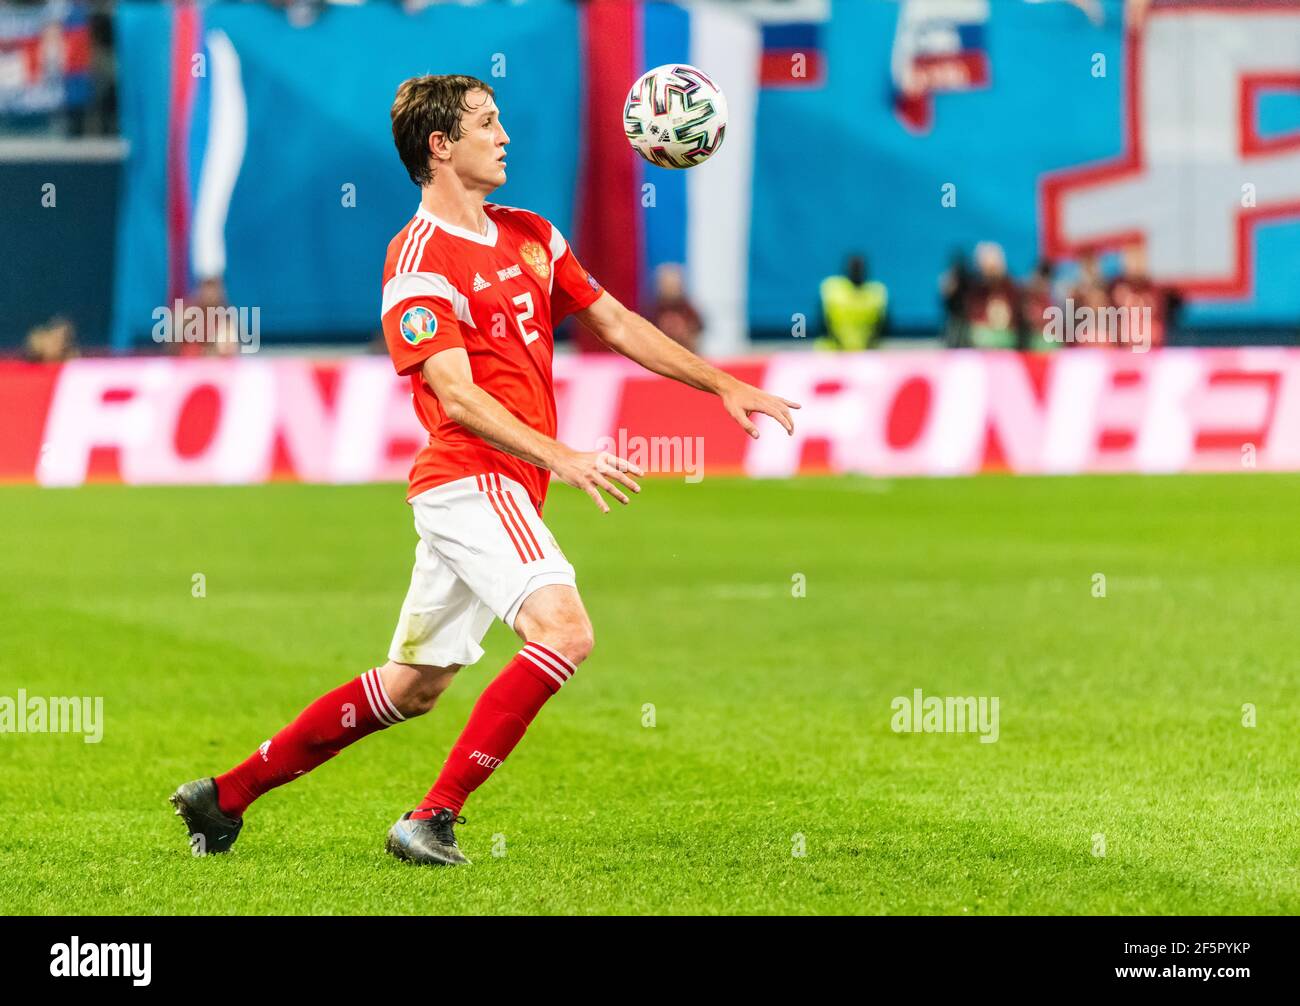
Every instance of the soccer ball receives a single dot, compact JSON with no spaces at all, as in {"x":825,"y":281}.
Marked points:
{"x":675,"y":116}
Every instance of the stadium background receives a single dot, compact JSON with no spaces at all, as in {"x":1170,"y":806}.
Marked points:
{"x":244,"y":159}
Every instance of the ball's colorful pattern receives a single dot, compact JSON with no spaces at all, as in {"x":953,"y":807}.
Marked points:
{"x":675,"y":116}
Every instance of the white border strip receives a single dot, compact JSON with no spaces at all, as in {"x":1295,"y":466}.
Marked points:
{"x":53,"y":148}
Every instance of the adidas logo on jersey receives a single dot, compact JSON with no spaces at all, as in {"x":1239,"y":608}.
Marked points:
{"x":480,"y":283}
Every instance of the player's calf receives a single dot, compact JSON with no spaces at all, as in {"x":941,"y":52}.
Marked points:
{"x":414,"y":688}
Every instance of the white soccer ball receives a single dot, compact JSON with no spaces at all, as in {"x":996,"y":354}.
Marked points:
{"x":675,"y":116}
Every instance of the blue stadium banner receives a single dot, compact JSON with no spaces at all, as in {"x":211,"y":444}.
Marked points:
{"x":261,"y":154}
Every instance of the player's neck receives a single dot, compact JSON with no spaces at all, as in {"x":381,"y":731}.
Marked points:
{"x":457,"y":205}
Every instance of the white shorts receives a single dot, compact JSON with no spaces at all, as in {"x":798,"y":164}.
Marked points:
{"x":483,"y":549}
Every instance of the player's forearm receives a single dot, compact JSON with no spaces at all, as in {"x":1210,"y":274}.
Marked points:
{"x":485,"y":417}
{"x":645,"y":344}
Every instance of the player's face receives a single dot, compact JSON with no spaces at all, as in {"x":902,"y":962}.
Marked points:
{"x":479,"y":156}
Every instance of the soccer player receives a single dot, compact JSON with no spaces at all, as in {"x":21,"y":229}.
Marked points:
{"x":472,"y":292}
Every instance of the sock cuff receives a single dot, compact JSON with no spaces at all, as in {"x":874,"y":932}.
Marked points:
{"x":553,"y":668}
{"x":381,"y":706}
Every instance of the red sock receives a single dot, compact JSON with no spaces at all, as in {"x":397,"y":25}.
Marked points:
{"x":500,"y":717}
{"x":321,"y":731}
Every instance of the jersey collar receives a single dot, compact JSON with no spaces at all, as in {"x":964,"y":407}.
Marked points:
{"x":489,"y":239}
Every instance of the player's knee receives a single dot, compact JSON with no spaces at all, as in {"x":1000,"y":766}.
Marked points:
{"x":419,"y":700}
{"x":572,"y":637}
{"x":555,"y":617}
{"x":581,"y":644}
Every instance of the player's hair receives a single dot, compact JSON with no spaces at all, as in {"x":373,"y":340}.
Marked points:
{"x":430,"y":104}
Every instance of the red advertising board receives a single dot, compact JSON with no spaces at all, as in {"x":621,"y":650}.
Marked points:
{"x":235,"y":421}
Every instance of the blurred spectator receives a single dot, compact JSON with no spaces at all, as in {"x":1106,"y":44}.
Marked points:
{"x":99,"y":117}
{"x":56,"y":68}
{"x":1089,"y":290}
{"x":1133,"y":288}
{"x":53,"y":342}
{"x":220,"y":338}
{"x":853,"y":307}
{"x":1038,"y":295}
{"x":993,"y":305}
{"x":672,"y":311}
{"x":954,"y":288}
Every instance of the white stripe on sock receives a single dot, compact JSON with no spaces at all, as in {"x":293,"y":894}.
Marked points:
{"x":375,"y":710}
{"x":552,"y":658}
{"x":528,"y":656}
{"x":384,"y":700}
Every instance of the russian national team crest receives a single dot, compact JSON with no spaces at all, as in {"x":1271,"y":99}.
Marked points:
{"x":418,"y":324}
{"x":535,"y":257}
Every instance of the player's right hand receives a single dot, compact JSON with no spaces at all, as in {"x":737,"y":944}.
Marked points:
{"x":592,"y":471}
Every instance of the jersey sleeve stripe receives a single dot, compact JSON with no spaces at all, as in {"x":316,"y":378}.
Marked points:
{"x":426,"y":284}
{"x":404,"y":260}
{"x":558,"y":245}
{"x":419,"y":251}
{"x":406,"y":244}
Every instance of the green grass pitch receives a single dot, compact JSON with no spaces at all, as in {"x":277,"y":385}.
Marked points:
{"x":1120,"y":716}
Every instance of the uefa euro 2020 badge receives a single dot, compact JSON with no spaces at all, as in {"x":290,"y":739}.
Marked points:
{"x":418,"y":324}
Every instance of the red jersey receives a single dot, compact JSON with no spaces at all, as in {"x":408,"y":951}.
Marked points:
{"x":498,"y":296}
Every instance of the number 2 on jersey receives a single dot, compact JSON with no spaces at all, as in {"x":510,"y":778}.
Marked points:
{"x":525,"y":304}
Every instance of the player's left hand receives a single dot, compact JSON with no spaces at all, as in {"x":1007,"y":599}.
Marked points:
{"x":741,"y":400}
